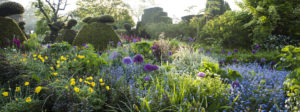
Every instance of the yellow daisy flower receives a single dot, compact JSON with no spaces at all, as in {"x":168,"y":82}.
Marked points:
{"x":5,"y":93}
{"x":26,"y":83}
{"x":28,"y":99}
{"x":38,"y":89}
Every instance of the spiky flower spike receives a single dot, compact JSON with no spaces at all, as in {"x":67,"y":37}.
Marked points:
{"x":11,"y":8}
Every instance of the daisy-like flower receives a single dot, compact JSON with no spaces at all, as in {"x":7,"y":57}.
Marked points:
{"x":107,"y":88}
{"x":26,"y":83}
{"x":5,"y":93}
{"x":28,"y":99}
{"x":91,"y":90}
{"x":18,"y":89}
{"x":38,"y":89}
{"x":76,"y":89}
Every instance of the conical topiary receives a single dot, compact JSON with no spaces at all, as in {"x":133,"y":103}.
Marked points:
{"x":97,"y":33}
{"x":9,"y":29}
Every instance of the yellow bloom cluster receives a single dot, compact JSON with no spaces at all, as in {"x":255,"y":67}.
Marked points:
{"x":26,"y":83}
{"x":28,"y":99}
{"x":54,"y":74}
{"x":89,"y":78}
{"x":41,"y":58}
{"x":63,"y":58}
{"x":91,"y":90}
{"x":76,"y":89}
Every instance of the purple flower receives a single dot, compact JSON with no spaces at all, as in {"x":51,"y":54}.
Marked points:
{"x":208,"y":53}
{"x":223,"y":51}
{"x":147,"y":78}
{"x":235,"y":84}
{"x":201,"y":74}
{"x":17,"y":42}
{"x":201,"y":50}
{"x":84,"y":45}
{"x":236,"y":50}
{"x":170,"y":53}
{"x":135,"y":40}
{"x":235,"y":61}
{"x":49,"y":46}
{"x":119,"y":44}
{"x":191,"y":40}
{"x":229,"y":53}
{"x":262,"y":60}
{"x":256,"y":46}
{"x":273,"y":62}
{"x":75,"y":47}
{"x":138,"y":59}
{"x":149,"y":67}
{"x":253,"y":51}
{"x":114,"y":55}
{"x":127,"y":60}
{"x":111,"y":43}
{"x":153,"y":47}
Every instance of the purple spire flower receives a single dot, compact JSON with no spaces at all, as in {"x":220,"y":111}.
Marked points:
{"x":147,"y":78}
{"x":201,"y":74}
{"x":223,"y":51}
{"x":127,"y":60}
{"x":170,"y":53}
{"x":17,"y":42}
{"x":138,"y":59}
{"x":114,"y":55}
{"x":119,"y":44}
{"x":191,"y":40}
{"x":262,"y":60}
{"x":253,"y":51}
{"x":236,"y":50}
{"x":235,"y":84}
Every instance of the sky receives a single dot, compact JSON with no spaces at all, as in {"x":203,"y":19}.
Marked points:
{"x":174,"y":8}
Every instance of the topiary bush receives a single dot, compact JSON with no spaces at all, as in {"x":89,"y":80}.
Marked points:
{"x":9,"y":29}
{"x":100,"y":35}
{"x":67,"y":34}
{"x":100,"y":19}
{"x":55,"y":28}
{"x":11,"y":8}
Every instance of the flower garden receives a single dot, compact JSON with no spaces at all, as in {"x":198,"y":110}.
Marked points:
{"x":100,"y":69}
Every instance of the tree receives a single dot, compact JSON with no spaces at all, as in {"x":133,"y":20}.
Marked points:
{"x":93,"y":8}
{"x":273,"y":17}
{"x":215,"y":8}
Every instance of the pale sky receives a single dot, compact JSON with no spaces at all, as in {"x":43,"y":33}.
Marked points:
{"x":174,"y":8}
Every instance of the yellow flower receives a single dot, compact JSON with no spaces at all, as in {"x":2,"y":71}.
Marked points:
{"x":102,"y":84}
{"x":80,"y":80}
{"x":107,"y":88}
{"x":34,"y":59}
{"x":23,"y":60}
{"x":89,"y":78}
{"x":66,"y":86}
{"x":79,"y":56}
{"x":101,"y":80}
{"x":18,"y":89}
{"x":54,"y":74}
{"x":52,"y":68}
{"x":57,"y":65}
{"x":76,"y":89}
{"x":38,"y":89}
{"x":72,"y":80}
{"x":74,"y":60}
{"x":34,"y":55}
{"x":46,"y":57}
{"x":88,"y":61}
{"x":17,"y":99}
{"x":57,"y":80}
{"x":87,"y":82}
{"x":26,"y":83}
{"x":63,"y":58}
{"x":93,"y":84}
{"x":5,"y":93}
{"x":91,"y":90}
{"x":72,"y":83}
{"x":57,"y":62}
{"x":28,"y":99}
{"x":39,"y":56}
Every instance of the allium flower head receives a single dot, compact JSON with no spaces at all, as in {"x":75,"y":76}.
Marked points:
{"x":235,"y":61}
{"x":235,"y":84}
{"x":127,"y":60}
{"x":236,"y":50}
{"x":253,"y":51}
{"x":191,"y":40}
{"x":138,"y":59}
{"x":256,"y":46}
{"x":149,"y":67}
{"x":262,"y":60}
{"x":229,"y":53}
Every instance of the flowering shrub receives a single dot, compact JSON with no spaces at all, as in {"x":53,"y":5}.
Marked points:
{"x":260,"y":89}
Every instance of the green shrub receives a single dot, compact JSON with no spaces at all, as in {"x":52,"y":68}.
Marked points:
{"x":290,"y":57}
{"x":143,"y":48}
{"x":32,"y":43}
{"x":226,"y":30}
{"x":11,"y":8}
{"x":98,"y":34}
{"x":71,"y":23}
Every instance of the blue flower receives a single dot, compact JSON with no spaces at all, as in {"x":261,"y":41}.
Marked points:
{"x":49,"y":46}
{"x":114,"y":55}
{"x":147,"y":78}
{"x":201,"y":74}
{"x":127,"y":60}
{"x":253,"y":51}
{"x":138,"y":59}
{"x":119,"y":43}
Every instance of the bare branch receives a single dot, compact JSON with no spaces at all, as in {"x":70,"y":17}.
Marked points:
{"x":51,"y":5}
{"x":43,"y":11}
